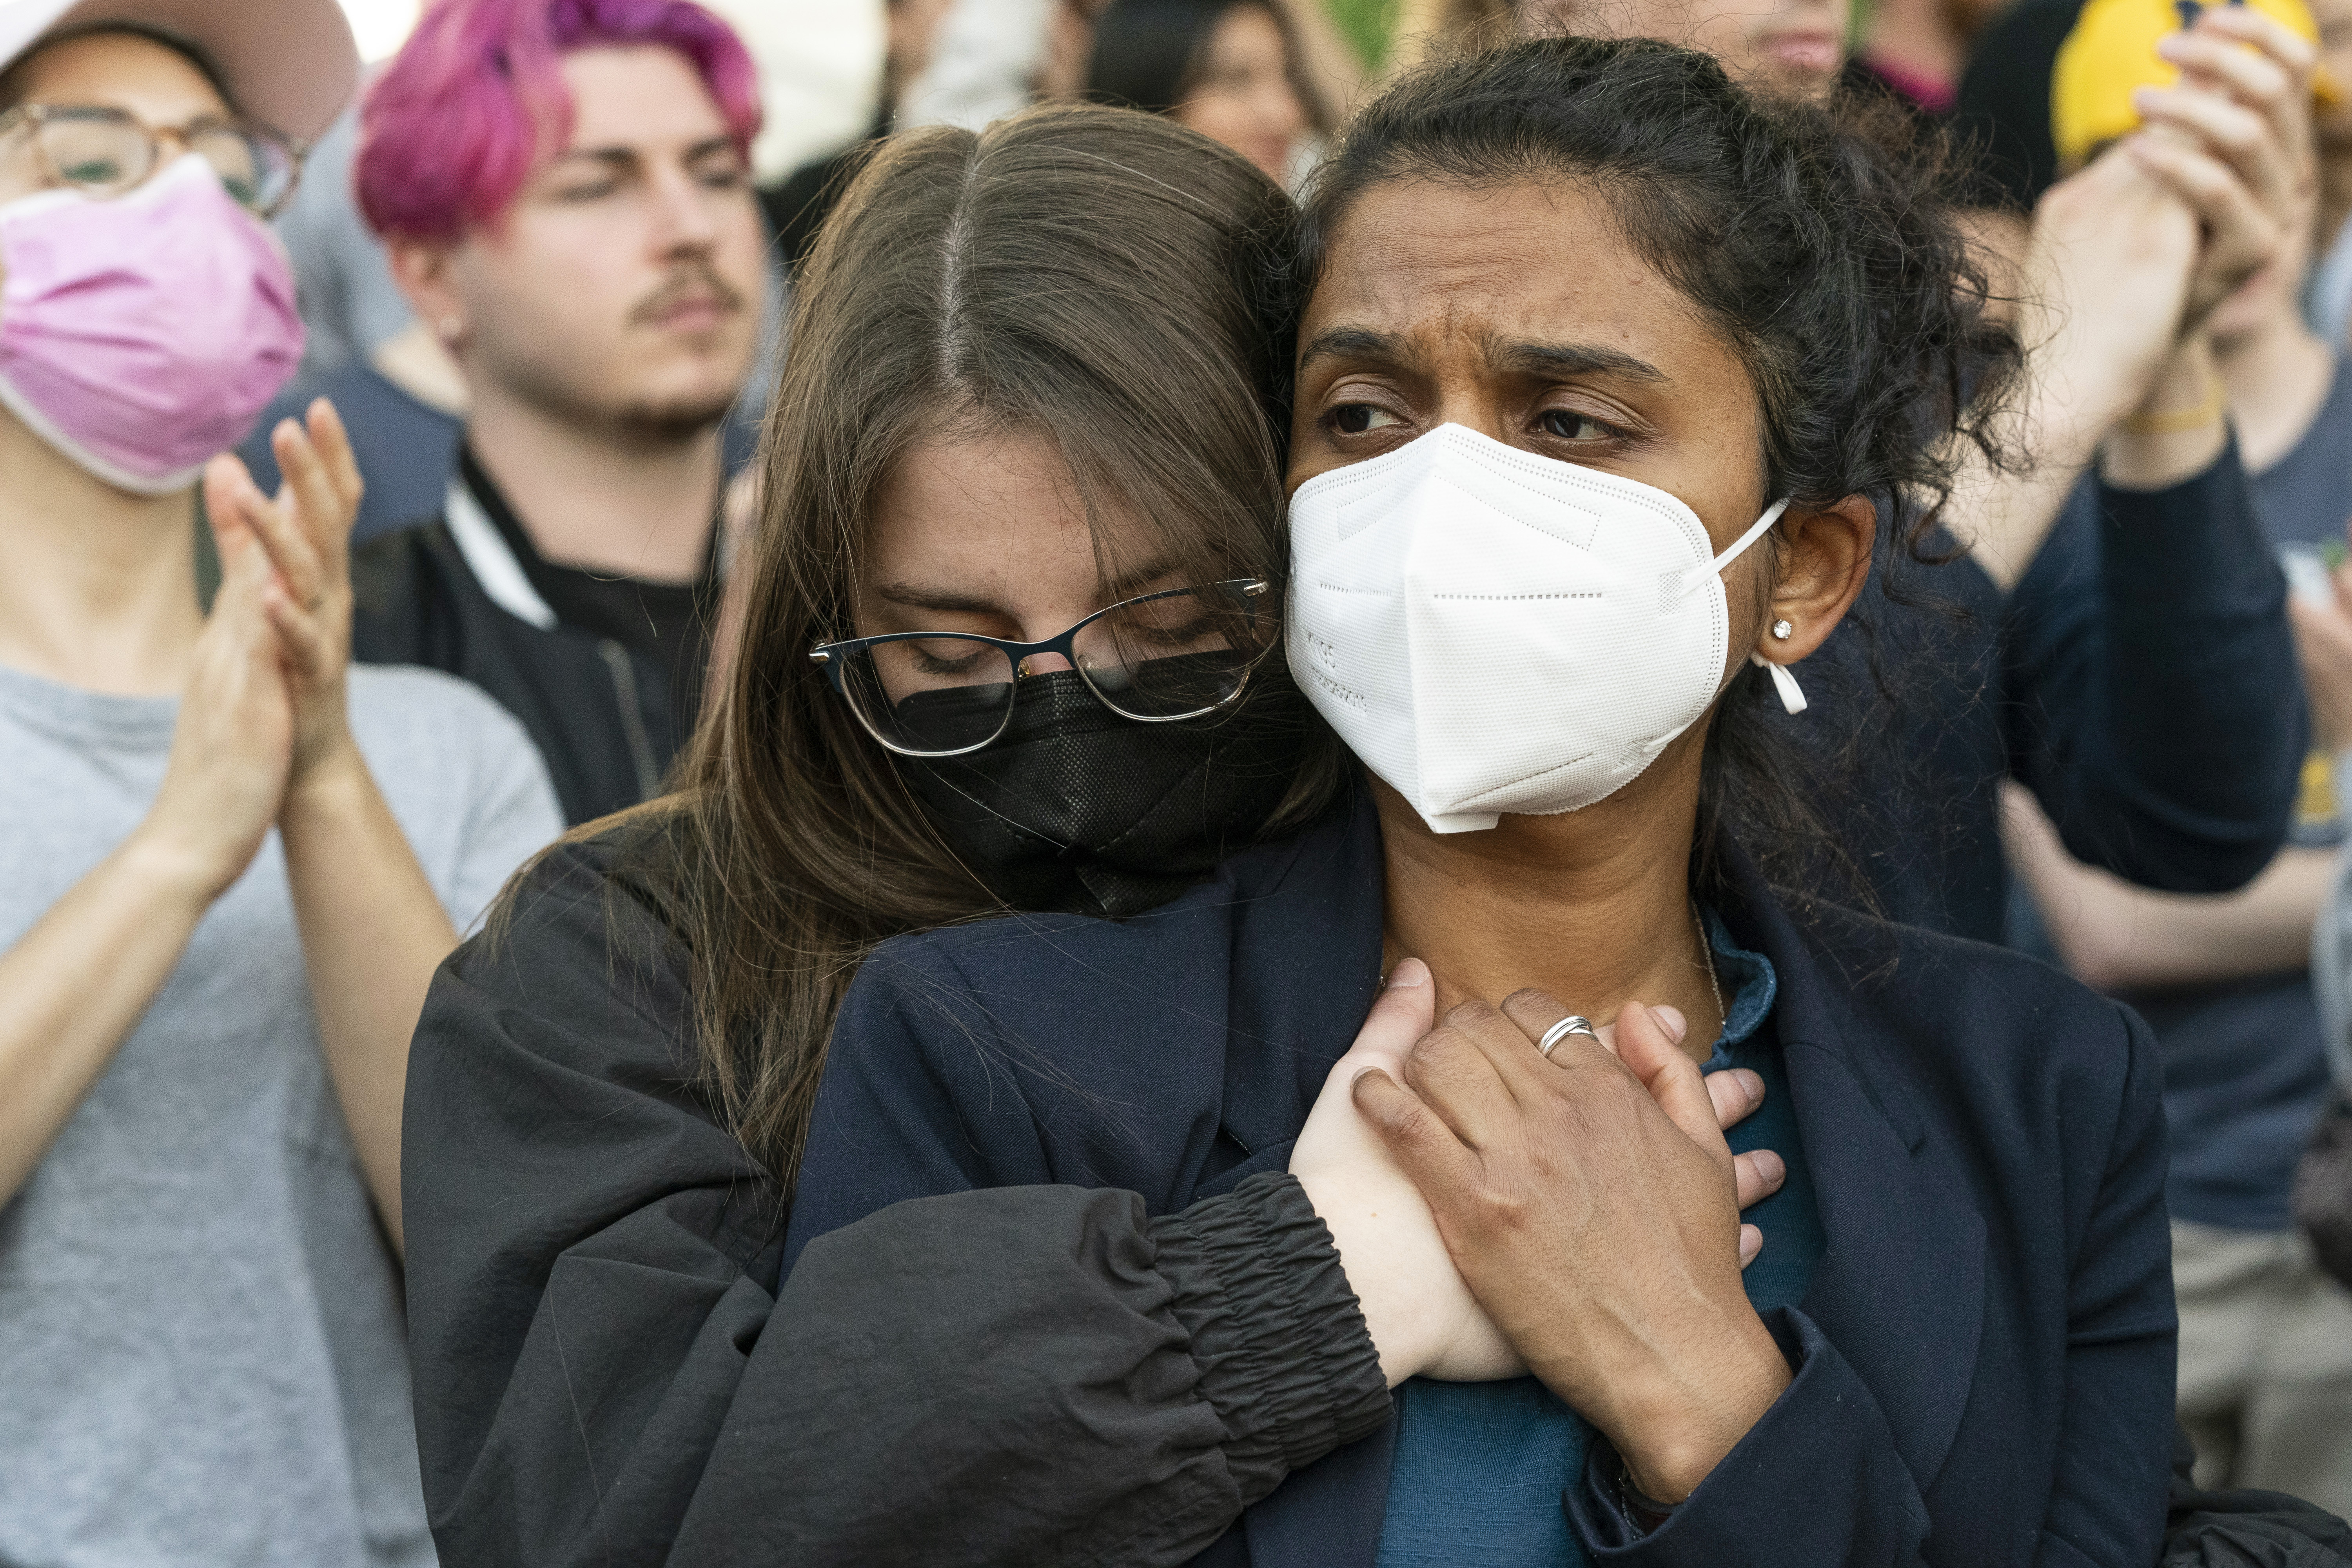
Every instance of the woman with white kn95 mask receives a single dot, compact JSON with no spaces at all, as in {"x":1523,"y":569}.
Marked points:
{"x":1607,"y":375}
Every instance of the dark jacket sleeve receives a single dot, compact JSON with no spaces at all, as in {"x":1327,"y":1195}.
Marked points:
{"x":2240,"y":1528}
{"x":1823,"y":1466}
{"x":2154,"y":700}
{"x":605,"y":1375}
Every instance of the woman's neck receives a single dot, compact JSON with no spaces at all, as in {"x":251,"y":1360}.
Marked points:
{"x":1592,"y":906}
{"x":2276,"y":376}
{"x":97,"y":586}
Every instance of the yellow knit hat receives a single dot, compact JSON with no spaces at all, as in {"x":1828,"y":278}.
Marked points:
{"x":2110,"y":54}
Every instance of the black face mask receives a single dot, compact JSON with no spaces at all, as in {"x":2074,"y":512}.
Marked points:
{"x":1076,"y":809}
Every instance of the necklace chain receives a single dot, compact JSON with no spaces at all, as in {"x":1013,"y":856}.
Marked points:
{"x":1706,"y":956}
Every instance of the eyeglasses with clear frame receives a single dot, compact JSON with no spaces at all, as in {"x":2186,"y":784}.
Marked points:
{"x":1183,"y":653}
{"x":107,"y":150}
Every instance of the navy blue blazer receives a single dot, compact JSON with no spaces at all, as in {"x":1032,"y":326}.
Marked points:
{"x":1983,"y":1363}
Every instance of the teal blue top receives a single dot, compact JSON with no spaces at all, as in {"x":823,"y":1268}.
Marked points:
{"x":1480,"y":1467}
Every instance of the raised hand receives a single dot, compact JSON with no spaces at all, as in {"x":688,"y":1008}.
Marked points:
{"x":2233,"y":141}
{"x":303,"y":536}
{"x":1591,"y":1205}
{"x":231,"y":748}
{"x":2109,"y":274}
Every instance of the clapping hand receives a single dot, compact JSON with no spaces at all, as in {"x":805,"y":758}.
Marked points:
{"x":2232,"y":139}
{"x":302,"y":539}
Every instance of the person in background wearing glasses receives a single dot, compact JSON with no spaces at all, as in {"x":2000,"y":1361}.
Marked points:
{"x":563,"y":187}
{"x":1010,"y":641}
{"x":231,"y":863}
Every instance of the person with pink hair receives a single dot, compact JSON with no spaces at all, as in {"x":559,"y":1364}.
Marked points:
{"x":563,"y":189}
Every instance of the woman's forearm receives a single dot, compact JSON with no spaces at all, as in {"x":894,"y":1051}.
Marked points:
{"x":74,"y":987}
{"x":2116,"y":937}
{"x":372,"y":933}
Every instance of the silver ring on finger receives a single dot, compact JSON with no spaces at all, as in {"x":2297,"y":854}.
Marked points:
{"x":1574,"y":1024}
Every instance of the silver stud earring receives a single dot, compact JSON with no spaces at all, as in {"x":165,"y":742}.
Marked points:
{"x":1781,"y":629}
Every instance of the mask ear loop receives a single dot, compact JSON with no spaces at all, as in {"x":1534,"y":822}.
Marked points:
{"x":1792,"y":698}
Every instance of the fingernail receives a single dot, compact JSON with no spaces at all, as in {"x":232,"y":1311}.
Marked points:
{"x":1751,"y":1242}
{"x":1408,"y":974}
{"x":1676,"y":1026}
{"x":1751,"y":1083}
{"x":1769,"y":1166}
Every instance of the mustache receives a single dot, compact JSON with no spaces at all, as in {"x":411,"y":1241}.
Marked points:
{"x":691,"y":280}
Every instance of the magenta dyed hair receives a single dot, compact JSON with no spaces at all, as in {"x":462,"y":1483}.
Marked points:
{"x":451,"y":129}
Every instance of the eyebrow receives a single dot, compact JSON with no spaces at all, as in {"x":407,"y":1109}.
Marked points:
{"x":1348,"y":343}
{"x":915,"y":597}
{"x":1570,"y":359}
{"x":625,"y":156}
{"x":947,"y":602}
{"x":618,"y":157}
{"x":1526,"y":357}
{"x":1131,"y":585}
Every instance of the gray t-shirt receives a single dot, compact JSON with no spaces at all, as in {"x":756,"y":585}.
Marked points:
{"x":202,"y":1352}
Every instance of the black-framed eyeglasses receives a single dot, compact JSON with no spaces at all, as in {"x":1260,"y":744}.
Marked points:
{"x":107,"y":150}
{"x":1180,"y":653}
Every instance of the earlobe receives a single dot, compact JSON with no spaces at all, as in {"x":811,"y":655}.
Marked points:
{"x":1825,"y":563}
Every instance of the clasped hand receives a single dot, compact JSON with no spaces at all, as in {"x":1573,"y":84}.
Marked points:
{"x":1575,"y":1217}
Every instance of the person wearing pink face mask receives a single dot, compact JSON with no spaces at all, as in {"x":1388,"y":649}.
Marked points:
{"x":232,"y":864}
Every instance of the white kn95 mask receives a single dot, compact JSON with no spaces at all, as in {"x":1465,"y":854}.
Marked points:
{"x":1491,"y":631}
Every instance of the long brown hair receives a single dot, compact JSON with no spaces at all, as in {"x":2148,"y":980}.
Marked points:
{"x":1102,"y":276}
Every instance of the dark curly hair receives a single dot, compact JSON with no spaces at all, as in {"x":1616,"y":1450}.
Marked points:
{"x":1821,"y":246}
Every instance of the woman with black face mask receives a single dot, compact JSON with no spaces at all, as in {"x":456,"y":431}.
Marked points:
{"x":1009,"y":642}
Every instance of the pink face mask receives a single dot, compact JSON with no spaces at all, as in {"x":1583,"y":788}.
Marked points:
{"x":141,"y":334}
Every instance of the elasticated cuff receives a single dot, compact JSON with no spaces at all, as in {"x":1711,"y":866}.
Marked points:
{"x":1284,"y":1357}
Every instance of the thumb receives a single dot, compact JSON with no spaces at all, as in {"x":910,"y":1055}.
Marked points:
{"x":1673,"y":1080}
{"x":1405,"y":1010}
{"x":245,"y":573}
{"x":239,"y":623}
{"x":228,"y":490}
